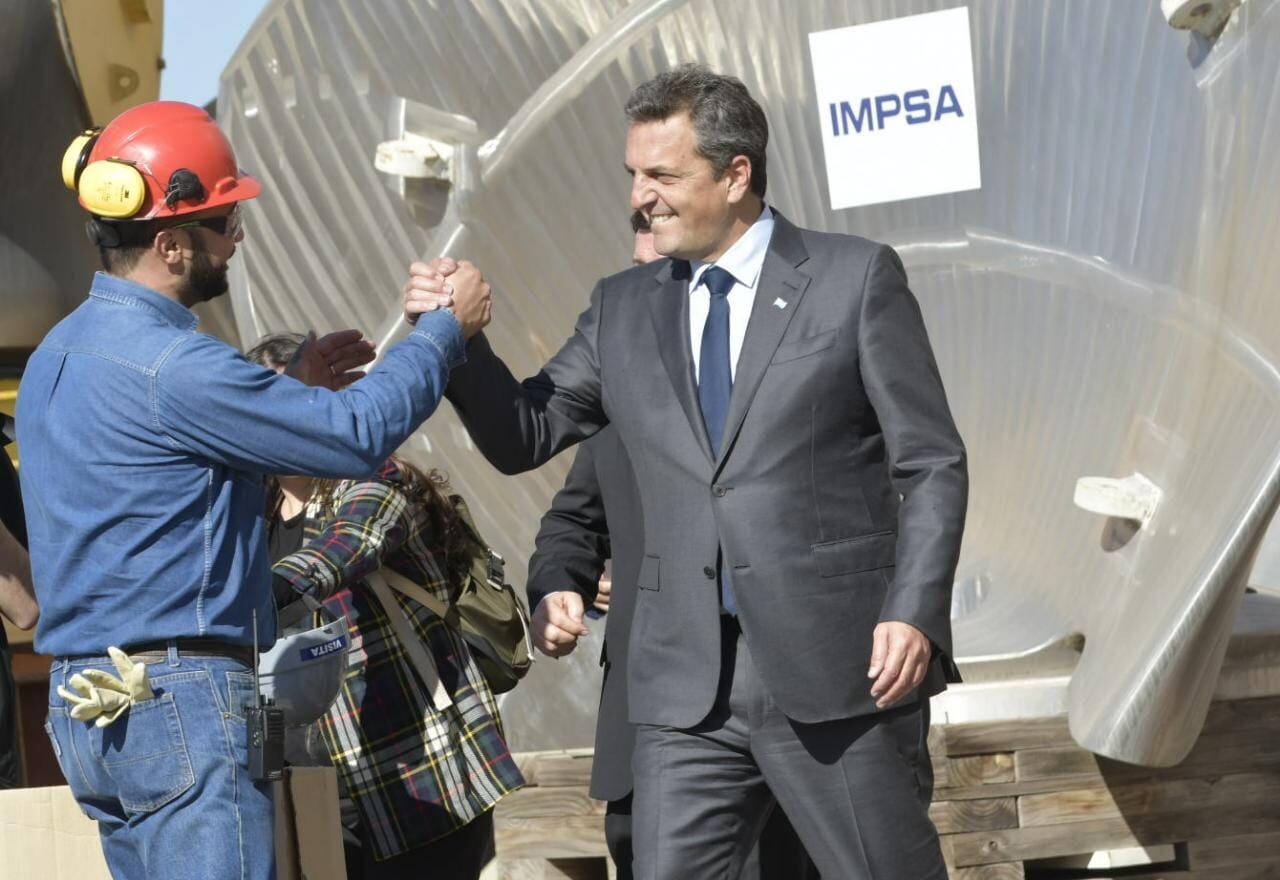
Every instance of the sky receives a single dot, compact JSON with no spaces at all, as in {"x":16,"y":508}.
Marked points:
{"x":199,"y":38}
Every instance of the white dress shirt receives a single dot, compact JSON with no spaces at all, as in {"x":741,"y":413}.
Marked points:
{"x":743,"y":260}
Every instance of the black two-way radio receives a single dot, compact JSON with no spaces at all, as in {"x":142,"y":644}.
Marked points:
{"x":266,"y":728}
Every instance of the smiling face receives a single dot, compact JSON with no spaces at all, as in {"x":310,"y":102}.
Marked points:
{"x":692,"y":214}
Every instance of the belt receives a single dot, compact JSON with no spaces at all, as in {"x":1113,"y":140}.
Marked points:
{"x":191,"y":647}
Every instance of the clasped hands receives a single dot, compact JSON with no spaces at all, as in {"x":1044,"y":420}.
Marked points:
{"x":334,"y":360}
{"x":900,"y":653}
{"x":445,"y":283}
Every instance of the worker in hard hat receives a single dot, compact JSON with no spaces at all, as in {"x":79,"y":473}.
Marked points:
{"x":144,"y":445}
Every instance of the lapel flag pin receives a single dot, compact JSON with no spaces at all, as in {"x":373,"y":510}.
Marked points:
{"x":780,"y":303}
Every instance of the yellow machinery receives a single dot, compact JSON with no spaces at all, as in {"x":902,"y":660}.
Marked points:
{"x":68,"y":64}
{"x":114,"y":52}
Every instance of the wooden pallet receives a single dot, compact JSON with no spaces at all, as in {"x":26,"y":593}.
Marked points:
{"x":1015,"y":792}
{"x":1008,"y":795}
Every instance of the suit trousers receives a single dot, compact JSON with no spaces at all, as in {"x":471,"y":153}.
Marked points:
{"x":857,"y":790}
{"x":778,"y":855}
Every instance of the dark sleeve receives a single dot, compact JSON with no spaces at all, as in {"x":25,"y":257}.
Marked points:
{"x":372,"y":520}
{"x":573,"y":540}
{"x":11,"y":512}
{"x":926,"y":456}
{"x":520,"y":425}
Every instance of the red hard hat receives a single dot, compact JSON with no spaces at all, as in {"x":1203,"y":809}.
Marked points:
{"x":160,"y":138}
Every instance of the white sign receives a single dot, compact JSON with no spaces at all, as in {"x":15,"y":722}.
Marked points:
{"x":896,"y":108}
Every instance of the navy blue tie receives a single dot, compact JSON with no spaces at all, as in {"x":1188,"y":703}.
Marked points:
{"x":715,"y":385}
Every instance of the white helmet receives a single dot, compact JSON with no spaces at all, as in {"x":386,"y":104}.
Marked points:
{"x":304,"y":671}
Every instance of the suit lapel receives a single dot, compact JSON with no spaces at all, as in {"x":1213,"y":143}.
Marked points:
{"x":779,"y":280}
{"x":671,"y":297}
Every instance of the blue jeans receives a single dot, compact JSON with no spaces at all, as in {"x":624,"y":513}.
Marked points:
{"x":168,"y":782}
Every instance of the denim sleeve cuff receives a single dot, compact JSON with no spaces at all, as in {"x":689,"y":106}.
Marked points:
{"x":444,"y":332}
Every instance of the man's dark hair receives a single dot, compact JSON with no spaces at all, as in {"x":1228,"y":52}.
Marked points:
{"x":120,"y":260}
{"x":275,"y":351}
{"x":639,"y":222}
{"x":121,"y":243}
{"x":727,"y":121}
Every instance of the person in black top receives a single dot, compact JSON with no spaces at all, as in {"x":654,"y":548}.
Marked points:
{"x":17,"y":601}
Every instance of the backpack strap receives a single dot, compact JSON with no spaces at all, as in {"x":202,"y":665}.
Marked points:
{"x":488,"y":567}
{"x":381,"y":582}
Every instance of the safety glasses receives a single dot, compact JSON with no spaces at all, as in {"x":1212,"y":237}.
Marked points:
{"x":229,"y":225}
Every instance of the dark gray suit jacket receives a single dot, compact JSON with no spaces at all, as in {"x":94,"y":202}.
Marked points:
{"x":596,"y":516}
{"x":838,"y":498}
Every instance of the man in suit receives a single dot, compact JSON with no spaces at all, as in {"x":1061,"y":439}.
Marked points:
{"x":596,"y":516}
{"x":803,"y":490}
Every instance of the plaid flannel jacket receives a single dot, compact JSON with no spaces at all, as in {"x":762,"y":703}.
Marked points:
{"x":414,"y":773}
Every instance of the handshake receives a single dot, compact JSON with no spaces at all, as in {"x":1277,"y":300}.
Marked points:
{"x":449,"y":284}
{"x":335,"y":360}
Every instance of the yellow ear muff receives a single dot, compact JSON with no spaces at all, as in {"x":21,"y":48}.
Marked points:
{"x":111,"y":188}
{"x":77,"y":156}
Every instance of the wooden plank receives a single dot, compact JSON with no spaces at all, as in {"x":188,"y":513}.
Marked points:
{"x":1017,"y":844}
{"x":989,"y":737}
{"x":550,"y":869}
{"x":996,"y":789}
{"x":952,"y":817}
{"x":986,"y":737}
{"x":1254,"y":757}
{"x":550,"y":837}
{"x":937,"y":739}
{"x":1162,"y":796}
{"x":1211,"y":753}
{"x":547,"y":801}
{"x":1061,"y":762}
{"x":563,"y":767}
{"x":1240,"y":849}
{"x":1005,"y":871}
{"x":940,"y":769}
{"x":1238,"y":872}
{"x":979,"y":769}
{"x":1237,"y":715}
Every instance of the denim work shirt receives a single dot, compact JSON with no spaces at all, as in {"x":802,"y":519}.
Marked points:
{"x":144,"y":445}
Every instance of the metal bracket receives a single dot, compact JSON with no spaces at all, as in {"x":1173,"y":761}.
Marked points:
{"x":428,"y":142}
{"x":1206,"y":17}
{"x":1133,"y":497}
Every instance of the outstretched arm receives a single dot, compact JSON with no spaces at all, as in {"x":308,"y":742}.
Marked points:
{"x":517,"y":425}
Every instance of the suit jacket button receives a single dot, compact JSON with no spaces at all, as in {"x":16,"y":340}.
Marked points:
{"x":709,"y":572}
{"x":719,"y":491}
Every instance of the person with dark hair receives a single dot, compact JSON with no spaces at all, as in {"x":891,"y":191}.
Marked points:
{"x":420,"y":782}
{"x":144,"y":448}
{"x":803,"y":488}
{"x":596,"y":517}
